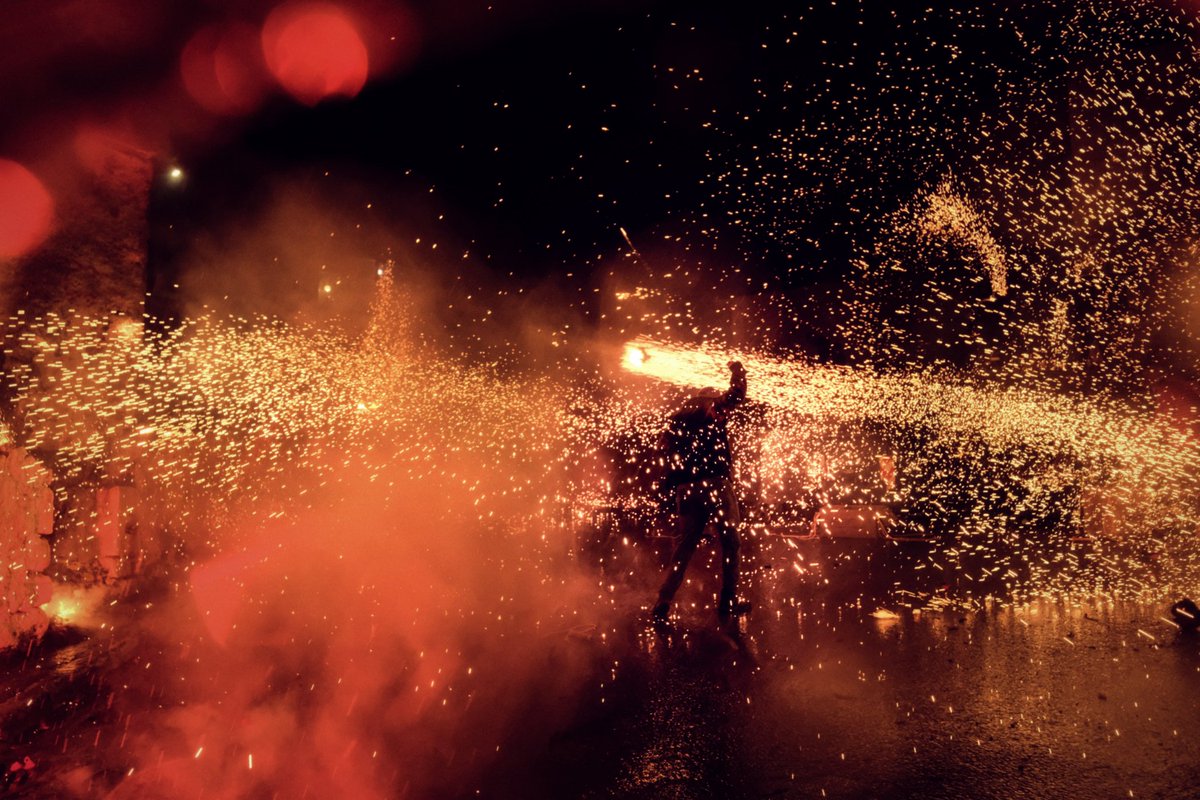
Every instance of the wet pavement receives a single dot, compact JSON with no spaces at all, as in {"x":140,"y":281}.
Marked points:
{"x":1089,"y":698}
{"x":1044,"y":700}
{"x":840,"y":690}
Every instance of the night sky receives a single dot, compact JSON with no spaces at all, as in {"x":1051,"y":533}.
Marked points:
{"x":770,"y":151}
{"x":544,"y":141}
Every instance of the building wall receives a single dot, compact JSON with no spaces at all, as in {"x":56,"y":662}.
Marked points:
{"x":88,"y":280}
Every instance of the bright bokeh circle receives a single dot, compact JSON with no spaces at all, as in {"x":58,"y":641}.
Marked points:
{"x":26,"y":210}
{"x":315,"y":51}
{"x":223,"y":70}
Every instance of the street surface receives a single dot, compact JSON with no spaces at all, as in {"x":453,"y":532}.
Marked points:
{"x":1051,"y":698}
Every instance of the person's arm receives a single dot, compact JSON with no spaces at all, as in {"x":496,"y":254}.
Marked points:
{"x":737,"y":387}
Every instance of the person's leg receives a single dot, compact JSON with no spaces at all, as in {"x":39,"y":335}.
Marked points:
{"x":730,"y":545}
{"x":728,"y":516}
{"x":693,"y":517}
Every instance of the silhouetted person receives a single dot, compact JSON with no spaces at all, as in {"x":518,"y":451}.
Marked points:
{"x":700,"y":470}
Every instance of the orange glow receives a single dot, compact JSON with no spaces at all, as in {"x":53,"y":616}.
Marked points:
{"x":223,"y":70}
{"x":634,"y":357}
{"x":73,"y":605}
{"x":314,"y":51}
{"x":26,"y":210}
{"x":63,"y":609}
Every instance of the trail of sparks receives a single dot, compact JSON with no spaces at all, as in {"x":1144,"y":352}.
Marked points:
{"x":1069,"y":193}
{"x":227,"y":417}
{"x":1126,"y":463}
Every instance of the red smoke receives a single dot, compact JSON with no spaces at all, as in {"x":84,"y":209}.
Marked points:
{"x":220,"y":588}
{"x":26,"y":210}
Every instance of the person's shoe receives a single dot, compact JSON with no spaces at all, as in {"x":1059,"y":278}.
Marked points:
{"x":660,"y":613}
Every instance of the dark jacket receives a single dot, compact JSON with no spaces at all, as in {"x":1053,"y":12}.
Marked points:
{"x":697,"y":440}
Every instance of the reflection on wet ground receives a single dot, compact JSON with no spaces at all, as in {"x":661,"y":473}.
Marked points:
{"x":1051,"y":698}
{"x":1094,"y":699}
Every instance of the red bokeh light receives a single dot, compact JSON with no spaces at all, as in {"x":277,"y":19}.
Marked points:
{"x":26,"y":210}
{"x":393,"y":35}
{"x":223,"y":70}
{"x":314,"y":51}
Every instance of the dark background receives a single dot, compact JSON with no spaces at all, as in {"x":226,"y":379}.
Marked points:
{"x":619,"y":116}
{"x":754,"y":154}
